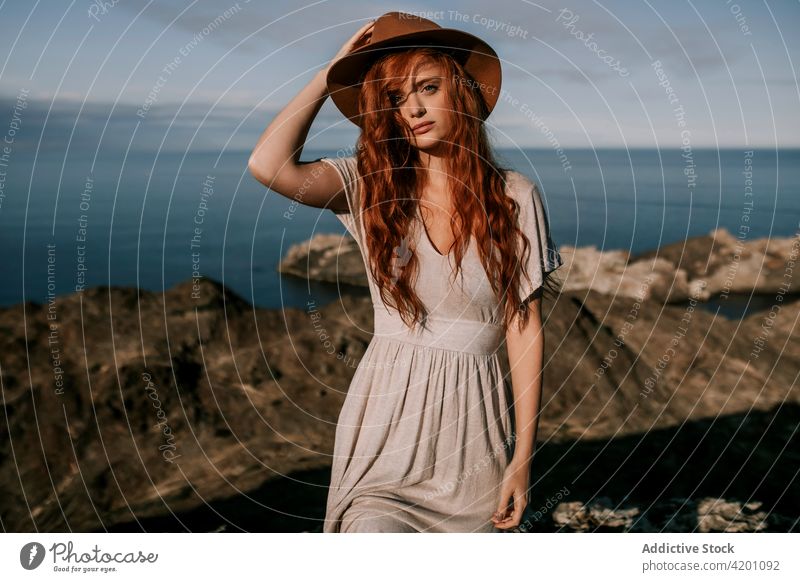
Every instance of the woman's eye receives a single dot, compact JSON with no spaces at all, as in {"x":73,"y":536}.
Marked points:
{"x":394,"y":99}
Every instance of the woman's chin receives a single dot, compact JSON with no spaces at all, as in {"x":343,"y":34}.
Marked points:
{"x":423,"y":142}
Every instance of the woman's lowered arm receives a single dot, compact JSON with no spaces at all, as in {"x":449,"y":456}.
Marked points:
{"x":525,"y":357}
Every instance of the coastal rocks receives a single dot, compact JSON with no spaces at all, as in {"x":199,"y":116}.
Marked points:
{"x":613,"y":273}
{"x":705,"y":515}
{"x":698,"y":268}
{"x":168,"y":402}
{"x":193,"y":410}
{"x":326,"y":257}
{"x":721,"y":263}
{"x":576,"y":516}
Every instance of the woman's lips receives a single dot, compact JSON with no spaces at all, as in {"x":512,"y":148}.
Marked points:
{"x":424,"y":128}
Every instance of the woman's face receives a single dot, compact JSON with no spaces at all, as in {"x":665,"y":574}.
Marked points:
{"x":422,"y":101}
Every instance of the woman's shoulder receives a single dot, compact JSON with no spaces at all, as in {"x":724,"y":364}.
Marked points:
{"x":532,"y":213}
{"x":347,"y":166}
{"x":520,"y":186}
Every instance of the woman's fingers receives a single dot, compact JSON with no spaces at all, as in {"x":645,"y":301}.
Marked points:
{"x":365,"y":30}
{"x":358,"y":39}
{"x":503,"y":520}
{"x":502,"y":514}
{"x":363,"y":35}
{"x":499,"y":517}
{"x":519,"y":506}
{"x":502,"y":507}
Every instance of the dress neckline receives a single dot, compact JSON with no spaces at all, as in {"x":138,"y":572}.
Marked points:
{"x":428,"y":238}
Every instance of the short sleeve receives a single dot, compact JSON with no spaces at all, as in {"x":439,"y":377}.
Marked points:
{"x":348,"y":172}
{"x":544,"y":256}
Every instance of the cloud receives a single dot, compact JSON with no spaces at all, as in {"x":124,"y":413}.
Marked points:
{"x":272,"y":24}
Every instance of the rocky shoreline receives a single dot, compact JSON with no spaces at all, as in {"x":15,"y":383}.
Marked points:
{"x":657,"y":416}
{"x":699,"y":268}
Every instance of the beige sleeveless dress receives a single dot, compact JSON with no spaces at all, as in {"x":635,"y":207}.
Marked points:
{"x":425,"y":432}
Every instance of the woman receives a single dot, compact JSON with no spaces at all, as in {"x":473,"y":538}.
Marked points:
{"x":457,"y":251}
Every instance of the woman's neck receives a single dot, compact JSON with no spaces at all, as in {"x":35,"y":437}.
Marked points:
{"x":435,"y":183}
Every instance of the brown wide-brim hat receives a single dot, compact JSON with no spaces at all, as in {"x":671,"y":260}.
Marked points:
{"x":398,"y":30}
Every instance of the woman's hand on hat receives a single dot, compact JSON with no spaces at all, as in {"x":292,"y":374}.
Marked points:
{"x":359,"y":39}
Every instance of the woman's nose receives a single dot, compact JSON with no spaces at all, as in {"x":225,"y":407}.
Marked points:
{"x":415,"y":107}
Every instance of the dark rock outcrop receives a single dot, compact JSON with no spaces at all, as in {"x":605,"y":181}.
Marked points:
{"x":165,"y":406}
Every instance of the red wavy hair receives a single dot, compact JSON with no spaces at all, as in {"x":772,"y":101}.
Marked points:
{"x":389,"y":167}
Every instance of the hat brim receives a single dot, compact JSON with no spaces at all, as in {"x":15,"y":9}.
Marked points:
{"x":479,"y":60}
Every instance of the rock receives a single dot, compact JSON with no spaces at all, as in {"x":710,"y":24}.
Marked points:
{"x":698,"y":268}
{"x":326,"y":257}
{"x":612,"y":273}
{"x":719,"y":515}
{"x":669,"y":515}
{"x":576,"y":516}
{"x":166,"y":407}
{"x":643,"y":402}
{"x":721,"y":263}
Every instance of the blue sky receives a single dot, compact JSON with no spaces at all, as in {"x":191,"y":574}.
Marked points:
{"x":732,"y":66}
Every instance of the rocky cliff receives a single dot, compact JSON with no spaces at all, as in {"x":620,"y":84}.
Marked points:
{"x":127,"y":410}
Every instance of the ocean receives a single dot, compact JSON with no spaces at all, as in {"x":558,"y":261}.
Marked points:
{"x":152,"y":221}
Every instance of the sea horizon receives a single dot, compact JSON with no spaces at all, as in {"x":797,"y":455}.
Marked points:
{"x":140,"y":212}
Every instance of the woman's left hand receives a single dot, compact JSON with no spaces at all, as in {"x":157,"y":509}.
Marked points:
{"x":515,"y":484}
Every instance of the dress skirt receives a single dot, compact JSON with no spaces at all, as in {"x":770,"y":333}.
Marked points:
{"x":424,"y":435}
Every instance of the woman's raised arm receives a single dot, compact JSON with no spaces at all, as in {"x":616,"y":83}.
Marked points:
{"x":275,"y":159}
